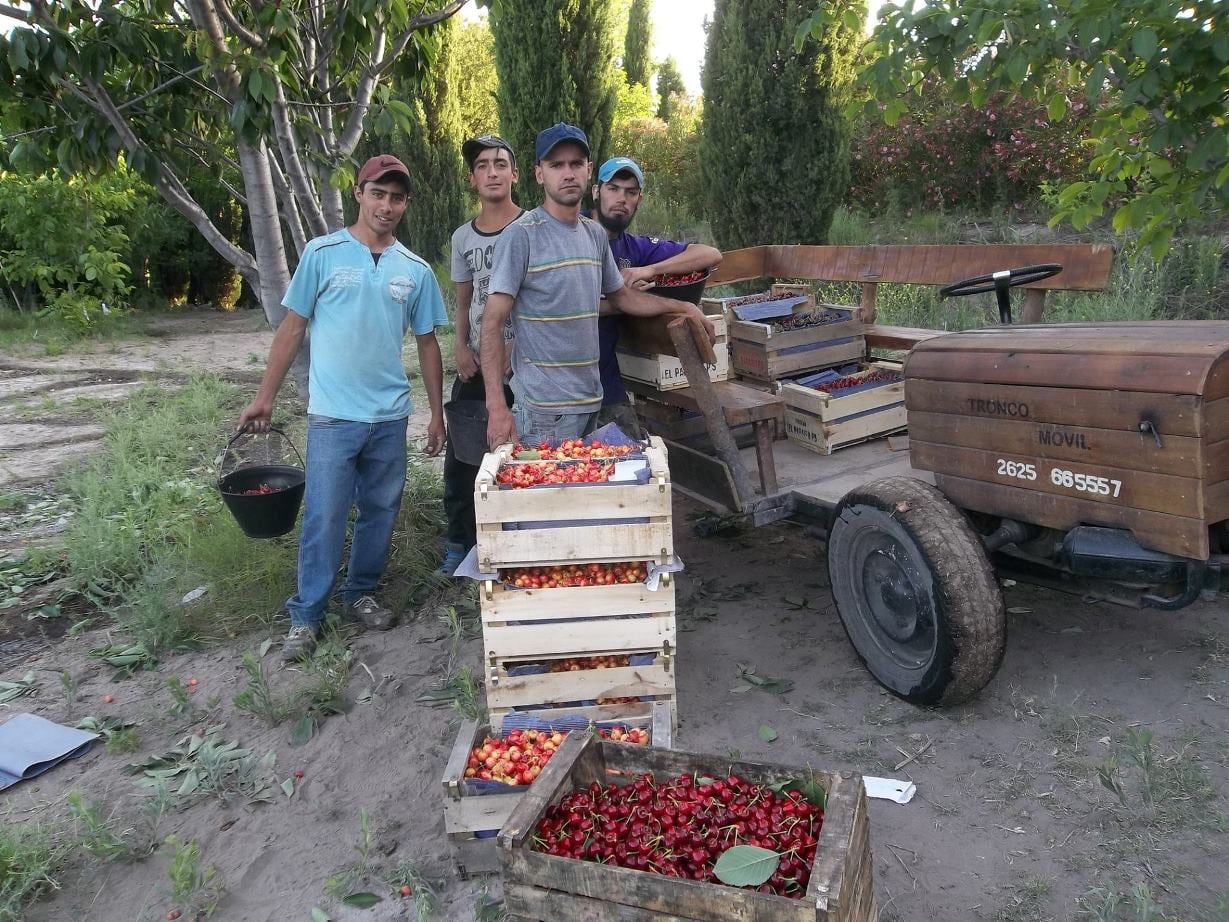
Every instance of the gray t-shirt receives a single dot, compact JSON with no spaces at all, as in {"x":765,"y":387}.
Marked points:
{"x":472,"y":251}
{"x":557,"y":274}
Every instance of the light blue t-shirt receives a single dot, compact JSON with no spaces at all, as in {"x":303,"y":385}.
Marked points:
{"x":358,"y":313}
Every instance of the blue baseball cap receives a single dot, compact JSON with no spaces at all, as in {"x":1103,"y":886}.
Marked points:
{"x":616,"y":165}
{"x":556,"y":134}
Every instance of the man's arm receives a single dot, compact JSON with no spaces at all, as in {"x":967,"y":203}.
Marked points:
{"x":286,"y":342}
{"x":640,"y":304}
{"x":431,"y":364}
{"x":500,"y":425}
{"x":696,"y":256}
{"x":466,"y":361}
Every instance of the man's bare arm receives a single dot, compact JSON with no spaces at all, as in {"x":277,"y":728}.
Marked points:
{"x":696,"y":256}
{"x":466,"y":360}
{"x":286,"y":343}
{"x":640,"y":304}
{"x":500,"y":426}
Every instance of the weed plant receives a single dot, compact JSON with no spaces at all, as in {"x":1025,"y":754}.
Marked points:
{"x":195,"y":889}
{"x":32,"y":862}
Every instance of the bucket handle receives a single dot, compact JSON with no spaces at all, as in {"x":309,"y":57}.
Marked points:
{"x":245,"y":431}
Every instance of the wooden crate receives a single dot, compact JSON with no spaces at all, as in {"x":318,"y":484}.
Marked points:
{"x":665,"y":372}
{"x":472,"y":819}
{"x":541,"y":886}
{"x":539,"y":625}
{"x":823,"y":423}
{"x":598,"y":523}
{"x":759,"y":352}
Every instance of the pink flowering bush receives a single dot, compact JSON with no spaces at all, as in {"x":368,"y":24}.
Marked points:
{"x":947,"y":156}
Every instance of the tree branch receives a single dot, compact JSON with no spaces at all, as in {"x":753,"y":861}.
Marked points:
{"x":418,"y":22}
{"x":288,"y":145}
{"x":245,"y":35}
{"x":14,"y":13}
{"x":289,"y":213}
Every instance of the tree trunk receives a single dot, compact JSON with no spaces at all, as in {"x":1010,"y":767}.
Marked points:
{"x":274,"y":273}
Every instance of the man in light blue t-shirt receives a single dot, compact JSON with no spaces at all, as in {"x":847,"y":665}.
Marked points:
{"x":358,"y":290}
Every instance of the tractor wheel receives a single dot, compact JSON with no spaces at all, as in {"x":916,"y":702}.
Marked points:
{"x":915,"y":592}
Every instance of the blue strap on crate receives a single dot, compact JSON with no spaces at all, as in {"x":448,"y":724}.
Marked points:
{"x":768,"y":310}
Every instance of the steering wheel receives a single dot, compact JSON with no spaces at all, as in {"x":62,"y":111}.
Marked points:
{"x":1000,"y":283}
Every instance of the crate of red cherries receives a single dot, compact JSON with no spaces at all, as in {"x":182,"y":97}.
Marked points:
{"x":629,"y":832}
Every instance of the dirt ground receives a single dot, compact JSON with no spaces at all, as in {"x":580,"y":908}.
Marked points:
{"x":1010,"y":822}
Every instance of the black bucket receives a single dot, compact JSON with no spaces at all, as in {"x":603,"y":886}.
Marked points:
{"x":467,"y":421}
{"x":264,"y":515}
{"x":691,"y":292}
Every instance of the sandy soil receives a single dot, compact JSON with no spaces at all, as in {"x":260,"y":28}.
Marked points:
{"x":1010,"y":821}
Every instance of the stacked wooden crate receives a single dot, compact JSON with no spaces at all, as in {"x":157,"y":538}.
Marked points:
{"x":665,"y":372}
{"x":869,"y":403}
{"x":763,"y":353}
{"x":525,"y":630}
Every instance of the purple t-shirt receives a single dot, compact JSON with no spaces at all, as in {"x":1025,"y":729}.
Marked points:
{"x":629,"y":250}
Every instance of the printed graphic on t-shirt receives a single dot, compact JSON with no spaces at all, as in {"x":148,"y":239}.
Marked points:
{"x":344,"y":277}
{"x":399,"y":288}
{"x":479,"y":261}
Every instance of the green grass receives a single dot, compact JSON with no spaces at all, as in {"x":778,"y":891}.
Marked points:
{"x":21,"y":331}
{"x":32,"y":862}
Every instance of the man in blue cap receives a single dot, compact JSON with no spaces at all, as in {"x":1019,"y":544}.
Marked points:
{"x":551,"y":269}
{"x":616,"y":197}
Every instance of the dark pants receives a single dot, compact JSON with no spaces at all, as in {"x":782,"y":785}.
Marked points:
{"x":624,"y":415}
{"x":459,"y":477}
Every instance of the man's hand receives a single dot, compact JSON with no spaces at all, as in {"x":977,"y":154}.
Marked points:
{"x":638,"y":277}
{"x":435,"y":436}
{"x":257,"y":416}
{"x":709,"y":327}
{"x":467,"y":362}
{"x":500,"y":427}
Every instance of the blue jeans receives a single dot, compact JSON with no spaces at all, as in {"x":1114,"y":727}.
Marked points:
{"x":533,"y":427}
{"x":348,"y":463}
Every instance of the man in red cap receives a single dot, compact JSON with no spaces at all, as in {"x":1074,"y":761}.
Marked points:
{"x":358,"y":290}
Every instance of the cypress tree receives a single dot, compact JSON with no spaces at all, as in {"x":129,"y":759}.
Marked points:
{"x":774,"y":150}
{"x":669,"y":84}
{"x":555,"y":60}
{"x":637,"y":43}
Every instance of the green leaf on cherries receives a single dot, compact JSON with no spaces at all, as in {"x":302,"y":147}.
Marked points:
{"x":746,"y":865}
{"x":811,"y":790}
{"x":529,"y":455}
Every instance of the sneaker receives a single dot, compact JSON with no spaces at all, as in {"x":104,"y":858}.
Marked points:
{"x":300,"y":643}
{"x":368,"y":612}
{"x":454,"y":554}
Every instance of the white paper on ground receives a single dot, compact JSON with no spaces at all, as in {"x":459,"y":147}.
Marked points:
{"x":900,"y":792}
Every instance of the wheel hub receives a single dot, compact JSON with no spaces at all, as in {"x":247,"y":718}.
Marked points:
{"x":897,"y":598}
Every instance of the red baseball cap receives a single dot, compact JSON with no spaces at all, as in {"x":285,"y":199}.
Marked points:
{"x":380,"y":166}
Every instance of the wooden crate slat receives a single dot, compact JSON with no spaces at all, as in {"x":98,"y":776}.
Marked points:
{"x":658,"y":714}
{"x":465,"y":815}
{"x":752,"y":361}
{"x":572,"y":502}
{"x":529,"y":902}
{"x":502,"y":604}
{"x":665,"y":372}
{"x":762,"y":333}
{"x":810,"y":432}
{"x":577,"y":638}
{"x":834,"y":407}
{"x":593,"y":544}
{"x":586,"y":685}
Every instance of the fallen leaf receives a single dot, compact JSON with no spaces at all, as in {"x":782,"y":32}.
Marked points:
{"x":767,"y":733}
{"x":1018,"y":610}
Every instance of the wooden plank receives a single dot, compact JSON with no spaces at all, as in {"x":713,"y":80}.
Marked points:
{"x":831,"y":407}
{"x":637,"y":713}
{"x":879,"y":336}
{"x":1159,"y":374}
{"x":665,"y":372}
{"x":1216,"y":460}
{"x":501,"y":604}
{"x":590,"y":543}
{"x":1086,"y":267}
{"x":740,"y":404}
{"x":1208,"y":339}
{"x":587,"y":685}
{"x":571,"y":503}
{"x":1176,"y":496}
{"x":552,"y":905}
{"x":1179,"y":456}
{"x":1185,"y":537}
{"x":648,"y":335}
{"x":1216,"y":417}
{"x":823,"y":437}
{"x":547,"y":788}
{"x":1216,"y":502}
{"x":739,"y":266}
{"x":578,"y":638}
{"x":1172,"y":414}
{"x":475,"y":857}
{"x":463,"y":816}
{"x":454,"y":770}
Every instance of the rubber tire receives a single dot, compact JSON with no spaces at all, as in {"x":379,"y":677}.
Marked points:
{"x":945,"y":566}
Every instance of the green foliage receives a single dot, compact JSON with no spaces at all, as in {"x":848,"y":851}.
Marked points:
{"x":670,"y":88}
{"x":65,"y":240}
{"x":638,"y":43}
{"x":1157,"y":71}
{"x":669,"y":154}
{"x":774,"y":150}
{"x":429,"y":142}
{"x":555,"y":60}
{"x":31,"y":864}
{"x":195,"y":889}
{"x":635,"y":102}
{"x":476,"y":81}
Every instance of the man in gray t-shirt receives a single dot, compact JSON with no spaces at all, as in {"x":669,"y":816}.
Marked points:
{"x":492,"y":171}
{"x":551,"y":269}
